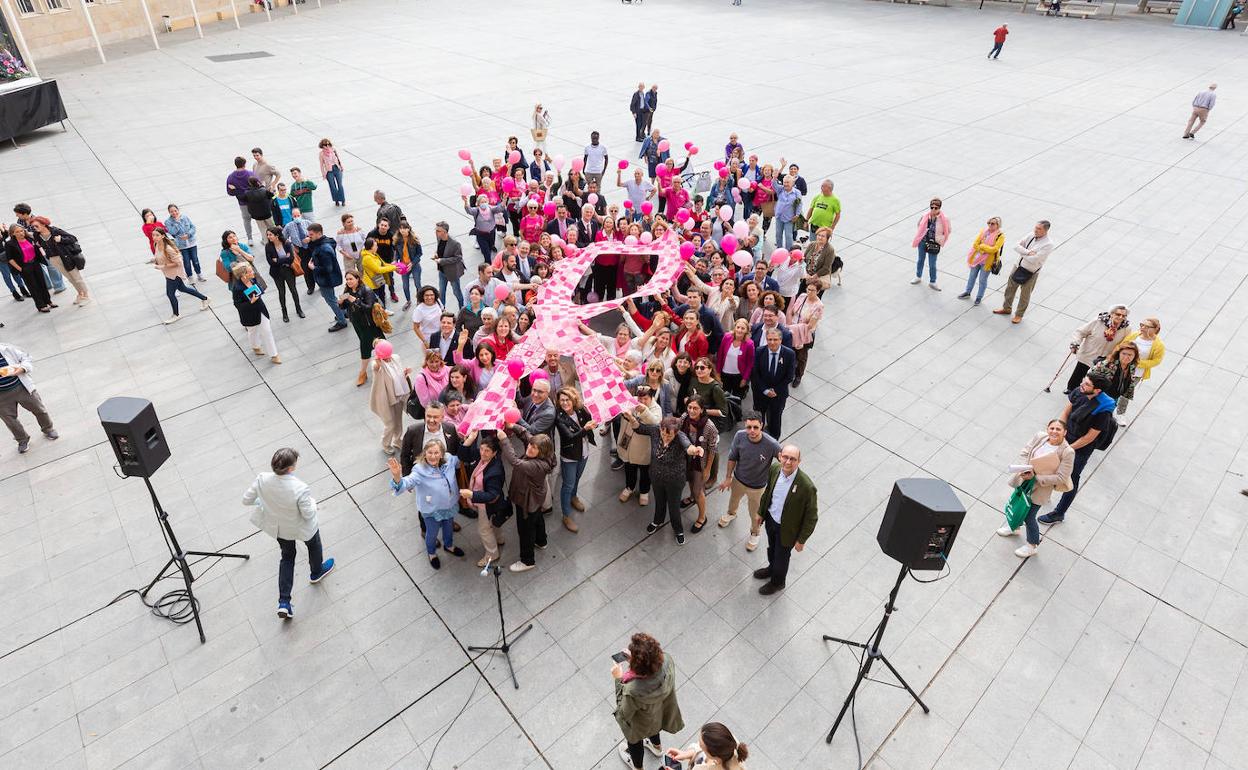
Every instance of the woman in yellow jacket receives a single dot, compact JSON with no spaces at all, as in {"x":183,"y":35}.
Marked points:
{"x":372,"y":268}
{"x":1151,"y":352}
{"x":984,"y":254}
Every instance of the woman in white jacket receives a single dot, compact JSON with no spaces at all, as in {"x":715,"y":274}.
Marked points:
{"x":286,"y":510}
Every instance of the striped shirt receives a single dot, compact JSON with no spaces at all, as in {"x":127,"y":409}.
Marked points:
{"x":10,"y":382}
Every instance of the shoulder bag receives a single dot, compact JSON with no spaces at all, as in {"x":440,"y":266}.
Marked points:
{"x":1022,"y":275}
{"x":414,"y":408}
{"x":380,"y":319}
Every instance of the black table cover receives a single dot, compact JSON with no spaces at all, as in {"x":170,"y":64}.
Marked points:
{"x":23,"y":110}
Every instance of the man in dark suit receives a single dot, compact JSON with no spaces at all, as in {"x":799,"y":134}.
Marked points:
{"x":587,"y":228}
{"x":450,"y":260}
{"x":637,"y":107}
{"x":789,"y":509}
{"x":560,"y":224}
{"x":537,"y":415}
{"x":771,"y":320}
{"x":774,"y":366}
{"x":445,"y":338}
{"x":651,"y":104}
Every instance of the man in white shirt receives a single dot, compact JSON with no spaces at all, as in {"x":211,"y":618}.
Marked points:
{"x":790,"y":510}
{"x":1032,"y":251}
{"x":1201,"y":105}
{"x":595,"y":160}
{"x":639,"y":190}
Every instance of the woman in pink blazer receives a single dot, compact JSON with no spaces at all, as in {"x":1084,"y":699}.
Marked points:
{"x":735,"y":358}
{"x":930,"y":238}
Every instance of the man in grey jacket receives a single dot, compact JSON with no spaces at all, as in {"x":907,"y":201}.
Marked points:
{"x":450,"y":261}
{"x":17,"y":389}
{"x":1032,"y":252}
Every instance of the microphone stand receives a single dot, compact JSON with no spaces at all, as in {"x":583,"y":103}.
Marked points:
{"x":504,"y":646}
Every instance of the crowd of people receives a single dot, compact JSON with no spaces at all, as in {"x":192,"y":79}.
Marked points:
{"x":737,"y":327}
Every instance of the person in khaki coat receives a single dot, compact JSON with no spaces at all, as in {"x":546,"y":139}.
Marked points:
{"x":645,"y":699}
{"x":634,"y":448}
{"x":389,"y":395}
{"x":1052,"y":461}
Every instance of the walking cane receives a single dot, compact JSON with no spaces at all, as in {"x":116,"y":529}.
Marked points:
{"x":1059,"y":371}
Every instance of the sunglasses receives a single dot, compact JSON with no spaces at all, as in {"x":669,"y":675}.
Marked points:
{"x":703,"y":367}
{"x":933,"y":208}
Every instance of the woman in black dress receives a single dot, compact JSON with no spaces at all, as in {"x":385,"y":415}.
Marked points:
{"x":358,"y":300}
{"x":281,"y":258}
{"x":24,"y":257}
{"x":252,"y":312}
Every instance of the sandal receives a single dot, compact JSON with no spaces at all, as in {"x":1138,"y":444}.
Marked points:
{"x":686,"y":502}
{"x":697,"y":526}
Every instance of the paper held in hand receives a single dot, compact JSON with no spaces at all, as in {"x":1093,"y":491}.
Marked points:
{"x":1020,"y":468}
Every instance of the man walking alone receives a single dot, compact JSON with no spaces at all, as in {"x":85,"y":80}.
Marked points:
{"x":1201,"y":106}
{"x":998,"y":40}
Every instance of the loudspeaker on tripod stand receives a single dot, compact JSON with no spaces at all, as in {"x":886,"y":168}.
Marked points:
{"x":920,"y":523}
{"x":134,"y":432}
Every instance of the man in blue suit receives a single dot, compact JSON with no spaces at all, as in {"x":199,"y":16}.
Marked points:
{"x":771,"y":320}
{"x":774,"y":366}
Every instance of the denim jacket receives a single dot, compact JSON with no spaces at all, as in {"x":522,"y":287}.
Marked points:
{"x":177,"y":228}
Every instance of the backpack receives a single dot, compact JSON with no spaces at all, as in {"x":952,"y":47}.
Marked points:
{"x":1106,"y":436}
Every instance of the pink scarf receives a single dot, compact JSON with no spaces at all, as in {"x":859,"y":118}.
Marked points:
{"x":477,"y":484}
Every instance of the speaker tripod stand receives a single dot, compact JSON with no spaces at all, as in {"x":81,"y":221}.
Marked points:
{"x":177,"y":558}
{"x":503,"y":646}
{"x":872,"y":646}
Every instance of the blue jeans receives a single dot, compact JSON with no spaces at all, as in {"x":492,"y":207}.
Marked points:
{"x":1081,"y":459}
{"x":55,"y":281}
{"x":931,"y":263}
{"x":977,"y":272}
{"x":433,"y":528}
{"x":1033,"y":527}
{"x":410,"y":277}
{"x":327,"y":293}
{"x":454,"y":284}
{"x":175,"y":285}
{"x":11,"y":279}
{"x":485,"y":242}
{"x":334,"y":178}
{"x":190,"y":261}
{"x":286,"y":569}
{"x":571,"y":474}
{"x":784,"y":234}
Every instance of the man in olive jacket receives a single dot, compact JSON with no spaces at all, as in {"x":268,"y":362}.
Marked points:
{"x":789,"y":510}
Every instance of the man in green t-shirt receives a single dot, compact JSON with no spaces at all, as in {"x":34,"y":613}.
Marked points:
{"x":301,"y":191}
{"x":825,"y":209}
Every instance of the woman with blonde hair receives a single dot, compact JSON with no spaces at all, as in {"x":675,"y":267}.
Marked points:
{"x":984,"y":255}
{"x":437,"y":496}
{"x":1149,"y":352}
{"x":575,"y":427}
{"x":391,"y":386}
{"x":252,"y":312}
{"x":1047,"y":462}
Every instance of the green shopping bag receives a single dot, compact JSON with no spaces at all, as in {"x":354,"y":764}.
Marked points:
{"x":1019,"y":503}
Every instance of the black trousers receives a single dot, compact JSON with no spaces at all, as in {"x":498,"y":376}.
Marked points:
{"x":777,"y":554}
{"x":635,"y":750}
{"x":602,"y":278}
{"x":305,"y":258}
{"x":734,"y":384}
{"x":1077,"y":375}
{"x":531,"y":527}
{"x":771,"y":409}
{"x":637,"y":477}
{"x":286,"y":567}
{"x":667,"y":503}
{"x":639,"y":120}
{"x":285,"y":279}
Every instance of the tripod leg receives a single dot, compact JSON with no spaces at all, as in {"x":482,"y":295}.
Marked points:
{"x":905,"y":684}
{"x":862,"y":674}
{"x":159,"y":576}
{"x":219,"y":554}
{"x":860,"y":645}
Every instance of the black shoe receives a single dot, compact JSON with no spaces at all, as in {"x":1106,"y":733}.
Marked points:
{"x":299,"y":312}
{"x":17,"y":296}
{"x":435,"y":562}
{"x":25,"y":292}
{"x":337,"y":327}
{"x":1066,"y":392}
{"x":454,"y":550}
{"x":546,"y":511}
{"x":651,"y":528}
{"x":285,"y":317}
{"x":796,"y":381}
{"x":1049,"y":518}
{"x":311,"y":290}
{"x":616,"y":464}
{"x":767,"y":589}
{"x":762,"y":573}
{"x":697,"y":527}
{"x":680,"y":538}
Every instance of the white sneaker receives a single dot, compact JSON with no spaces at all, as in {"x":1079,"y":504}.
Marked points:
{"x":916,"y":280}
{"x":624,"y":755}
{"x":1006,"y":532}
{"x":644,"y":499}
{"x":205,"y":304}
{"x":933,"y":286}
{"x":727,"y":519}
{"x":652,"y":748}
{"x":1027,"y":549}
{"x":752,"y":543}
{"x":519,"y":566}
{"x":625,"y":495}
{"x":172,"y":319}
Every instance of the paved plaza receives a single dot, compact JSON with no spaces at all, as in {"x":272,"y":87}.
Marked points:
{"x":1122,"y":644}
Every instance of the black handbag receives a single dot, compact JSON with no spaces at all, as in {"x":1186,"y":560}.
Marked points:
{"x":1021,"y":275}
{"x":500,"y":516}
{"x":414,"y":408}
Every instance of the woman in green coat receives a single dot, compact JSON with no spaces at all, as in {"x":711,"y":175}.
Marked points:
{"x":645,"y":698}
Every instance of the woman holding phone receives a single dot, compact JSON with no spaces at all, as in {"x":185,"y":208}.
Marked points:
{"x":252,"y":313}
{"x":645,"y":699}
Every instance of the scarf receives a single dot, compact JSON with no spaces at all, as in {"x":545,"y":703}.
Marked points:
{"x":1111,"y":331}
{"x":477,"y":484}
{"x":693,"y":429}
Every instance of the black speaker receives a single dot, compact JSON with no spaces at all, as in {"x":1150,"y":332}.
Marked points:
{"x":920,"y":523}
{"x":134,"y":432}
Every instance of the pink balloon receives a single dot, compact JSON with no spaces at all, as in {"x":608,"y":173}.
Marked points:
{"x":592,"y":198}
{"x":744,"y":184}
{"x":402,"y":268}
{"x":741,"y":229}
{"x":743,"y":259}
{"x":779,"y":256}
{"x":559,"y":163}
{"x":514,"y":157}
{"x":509,"y":185}
{"x":647,"y":236}
{"x":383,"y":350}
{"x":718,"y":165}
{"x":796,"y":253}
{"x":578,"y":164}
{"x":628,"y":204}
{"x":693,"y":150}
{"x":511,"y":415}
{"x":723,"y":173}
{"x":630,"y":240}
{"x":465,"y":155}
{"x":465,"y":189}
{"x":558,"y":241}
{"x":662,"y":171}
{"x":686,"y":250}
{"x":664,"y":145}
{"x":736,"y":195}
{"x":466,"y":171}
{"x":688,"y":146}
{"x":515,"y":367}
{"x":549,"y":208}
{"x":501,"y":292}
{"x":539,"y":374}
{"x":623,"y":165}
{"x":647,"y":207}
{"x":728,"y":243}
{"x":725,"y":212}
{"x":682,"y":215}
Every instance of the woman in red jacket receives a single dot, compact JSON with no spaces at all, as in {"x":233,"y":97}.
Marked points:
{"x":735,"y":358}
{"x":690,"y":338}
{"x":500,"y":341}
